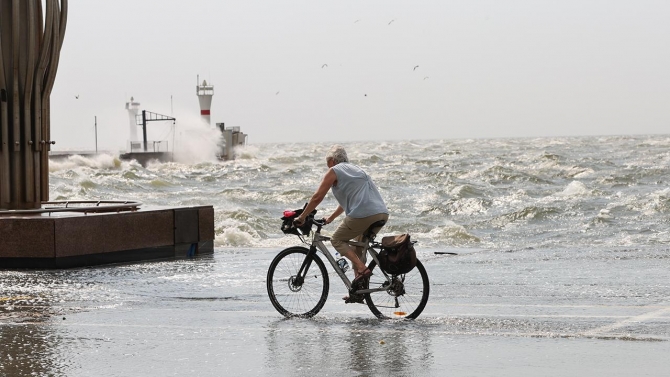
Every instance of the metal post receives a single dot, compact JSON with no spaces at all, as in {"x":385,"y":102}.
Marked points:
{"x":144,"y":128}
{"x":174,"y":131}
{"x":96,"y":134}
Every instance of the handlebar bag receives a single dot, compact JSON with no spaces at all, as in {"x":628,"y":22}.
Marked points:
{"x":287,"y":223}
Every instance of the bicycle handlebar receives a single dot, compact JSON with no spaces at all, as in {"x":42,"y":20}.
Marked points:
{"x":320,"y":222}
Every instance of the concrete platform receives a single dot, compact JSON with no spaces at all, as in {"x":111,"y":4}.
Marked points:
{"x":66,"y":240}
{"x":143,"y":158}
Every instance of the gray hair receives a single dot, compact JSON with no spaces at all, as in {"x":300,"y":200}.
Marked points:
{"x":337,"y":154}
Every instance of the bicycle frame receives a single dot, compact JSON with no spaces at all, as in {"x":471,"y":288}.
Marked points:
{"x":387,"y":295}
{"x":317,"y":244}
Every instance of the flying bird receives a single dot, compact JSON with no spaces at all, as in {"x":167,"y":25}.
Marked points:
{"x":425,"y":77}
{"x":276,"y":93}
{"x":77,"y":96}
{"x":325,"y":65}
{"x":415,"y":67}
{"x":356,"y":20}
{"x":391,"y":21}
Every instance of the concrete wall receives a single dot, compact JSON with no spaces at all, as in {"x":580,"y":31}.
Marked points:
{"x":75,"y":239}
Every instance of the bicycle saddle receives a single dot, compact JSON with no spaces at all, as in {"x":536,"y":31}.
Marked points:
{"x":369,"y":234}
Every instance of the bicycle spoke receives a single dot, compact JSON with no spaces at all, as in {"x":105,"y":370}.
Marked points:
{"x":410,"y":290}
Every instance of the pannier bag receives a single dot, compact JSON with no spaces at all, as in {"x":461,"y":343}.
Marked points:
{"x":287,"y":223}
{"x":397,"y":255}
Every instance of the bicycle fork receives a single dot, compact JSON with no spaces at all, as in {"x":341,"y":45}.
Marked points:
{"x":302,"y":273}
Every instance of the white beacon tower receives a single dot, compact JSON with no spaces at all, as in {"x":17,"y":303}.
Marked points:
{"x":205,"y":93}
{"x":133,"y":110}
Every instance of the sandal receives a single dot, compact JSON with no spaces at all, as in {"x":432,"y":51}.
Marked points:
{"x":361,"y":277}
{"x":353,"y":299}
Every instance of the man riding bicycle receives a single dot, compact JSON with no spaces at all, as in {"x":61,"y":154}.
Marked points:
{"x":359,"y":199}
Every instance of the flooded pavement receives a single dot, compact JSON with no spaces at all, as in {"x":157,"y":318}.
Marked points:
{"x":495,"y":313}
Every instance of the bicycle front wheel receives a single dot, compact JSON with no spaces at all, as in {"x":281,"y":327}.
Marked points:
{"x":291,"y":295}
{"x":405,"y":297}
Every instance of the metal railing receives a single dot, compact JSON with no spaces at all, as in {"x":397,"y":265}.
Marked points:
{"x":152,"y":146}
{"x":85,"y":206}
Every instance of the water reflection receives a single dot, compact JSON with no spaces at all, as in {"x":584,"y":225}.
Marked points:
{"x":35,"y":304}
{"x":26,"y":350}
{"x":341,"y":346}
{"x":26,"y":341}
{"x":390,"y":348}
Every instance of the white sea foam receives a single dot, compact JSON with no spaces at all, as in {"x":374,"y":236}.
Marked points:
{"x":575,"y":188}
{"x":246,"y":152}
{"x":100,"y":161}
{"x":196,"y":141}
{"x":450,"y":233}
{"x":234,"y":237}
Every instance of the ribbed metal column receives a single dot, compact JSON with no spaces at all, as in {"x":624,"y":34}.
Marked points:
{"x":30,"y":44}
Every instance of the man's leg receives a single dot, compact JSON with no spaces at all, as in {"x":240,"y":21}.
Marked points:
{"x":360,"y":251}
{"x":350,"y":229}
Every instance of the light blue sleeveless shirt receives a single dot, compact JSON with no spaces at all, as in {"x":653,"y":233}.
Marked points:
{"x":356,"y":193}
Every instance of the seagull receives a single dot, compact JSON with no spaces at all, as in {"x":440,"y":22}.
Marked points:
{"x":391,"y":21}
{"x":415,"y":67}
{"x":425,"y":77}
{"x":325,"y":65}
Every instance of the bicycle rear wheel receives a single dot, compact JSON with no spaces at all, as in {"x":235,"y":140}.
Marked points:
{"x":291,"y":296}
{"x":406,"y":297}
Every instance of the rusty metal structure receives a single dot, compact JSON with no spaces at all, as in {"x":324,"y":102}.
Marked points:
{"x":31,"y":37}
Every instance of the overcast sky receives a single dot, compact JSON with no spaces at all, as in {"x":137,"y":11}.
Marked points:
{"x":395,"y":69}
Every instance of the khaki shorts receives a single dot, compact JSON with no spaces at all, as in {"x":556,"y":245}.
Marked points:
{"x":353,"y":229}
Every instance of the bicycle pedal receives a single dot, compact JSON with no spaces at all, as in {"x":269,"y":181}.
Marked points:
{"x":359,"y":284}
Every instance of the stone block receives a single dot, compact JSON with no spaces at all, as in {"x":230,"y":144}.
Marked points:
{"x":80,"y":235}
{"x":138,"y":230}
{"x":206,"y":223}
{"x":186,"y":223}
{"x":27,"y":237}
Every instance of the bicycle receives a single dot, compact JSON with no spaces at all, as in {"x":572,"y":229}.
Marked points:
{"x":298,"y":283}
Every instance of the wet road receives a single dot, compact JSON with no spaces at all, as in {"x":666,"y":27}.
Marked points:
{"x":491,"y":313}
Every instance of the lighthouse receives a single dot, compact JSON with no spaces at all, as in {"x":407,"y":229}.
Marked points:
{"x":133,"y":109}
{"x":205,"y":93}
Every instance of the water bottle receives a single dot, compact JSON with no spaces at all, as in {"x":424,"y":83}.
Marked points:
{"x":344,"y":265}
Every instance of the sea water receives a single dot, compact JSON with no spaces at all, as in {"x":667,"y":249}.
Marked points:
{"x":507,"y":194}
